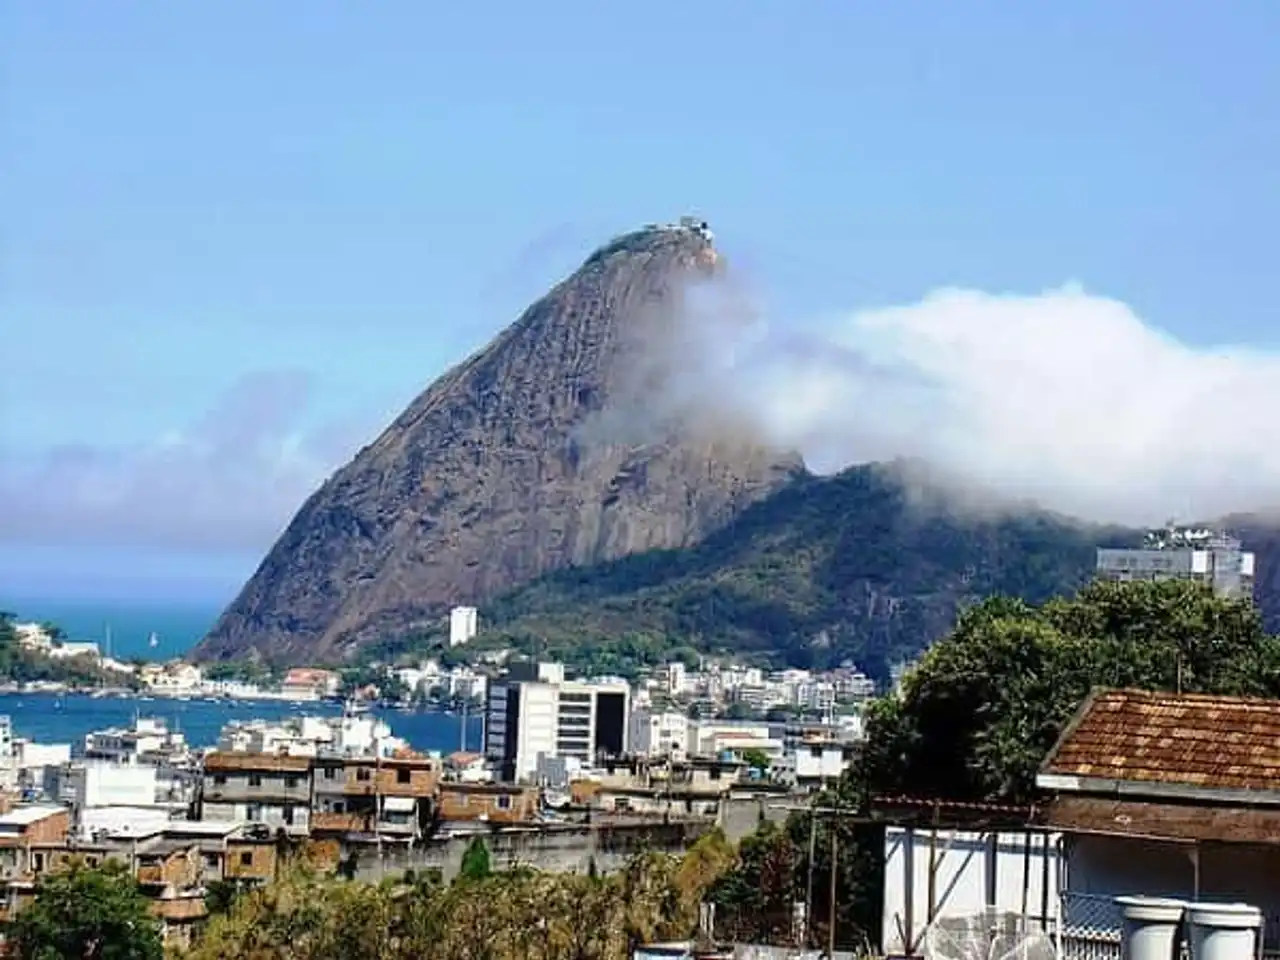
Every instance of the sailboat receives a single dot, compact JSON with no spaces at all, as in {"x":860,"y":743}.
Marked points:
{"x":153,"y":641}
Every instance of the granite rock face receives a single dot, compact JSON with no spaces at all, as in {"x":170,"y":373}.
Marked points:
{"x":571,"y":439}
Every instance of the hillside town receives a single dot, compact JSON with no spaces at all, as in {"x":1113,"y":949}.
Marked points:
{"x":574,"y":773}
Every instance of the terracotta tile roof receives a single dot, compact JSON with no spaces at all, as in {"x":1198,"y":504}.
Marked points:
{"x":1194,"y":740}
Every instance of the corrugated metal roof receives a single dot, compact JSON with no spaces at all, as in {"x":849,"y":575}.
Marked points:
{"x":1192,"y":740}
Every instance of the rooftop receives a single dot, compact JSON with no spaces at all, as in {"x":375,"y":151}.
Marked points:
{"x":1158,"y":744}
{"x":24,"y":816}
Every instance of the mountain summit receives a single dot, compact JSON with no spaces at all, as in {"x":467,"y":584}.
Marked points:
{"x":571,"y":439}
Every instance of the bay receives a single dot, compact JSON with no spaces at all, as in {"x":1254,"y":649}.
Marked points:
{"x":177,"y":626}
{"x":66,"y":718}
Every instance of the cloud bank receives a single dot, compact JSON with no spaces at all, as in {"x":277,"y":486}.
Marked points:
{"x":230,"y":481}
{"x":1063,"y":398}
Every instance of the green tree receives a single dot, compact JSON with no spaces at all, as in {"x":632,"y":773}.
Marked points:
{"x":475,"y":861}
{"x":756,"y":759}
{"x":94,"y":914}
{"x":982,"y":708}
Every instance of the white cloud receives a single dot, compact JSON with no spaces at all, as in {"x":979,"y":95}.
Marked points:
{"x":1065,"y":398}
{"x":231,"y":481}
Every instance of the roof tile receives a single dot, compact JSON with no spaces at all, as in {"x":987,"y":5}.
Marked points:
{"x":1193,"y":739}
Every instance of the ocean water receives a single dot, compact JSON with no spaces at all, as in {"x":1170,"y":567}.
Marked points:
{"x":178,"y":626}
{"x":66,"y":718}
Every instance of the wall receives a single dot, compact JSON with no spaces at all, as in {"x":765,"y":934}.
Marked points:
{"x":740,"y":816}
{"x":1099,"y":868}
{"x":261,"y":859}
{"x":969,"y":866}
{"x":559,"y":850}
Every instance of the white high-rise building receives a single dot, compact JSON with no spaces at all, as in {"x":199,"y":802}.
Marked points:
{"x":534,"y":712}
{"x":1174,"y":553}
{"x":464,"y":624}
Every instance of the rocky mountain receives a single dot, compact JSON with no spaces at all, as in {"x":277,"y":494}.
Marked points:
{"x":855,"y":566}
{"x":565,"y":442}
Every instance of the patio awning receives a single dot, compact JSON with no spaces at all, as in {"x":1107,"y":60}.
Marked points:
{"x":1185,"y":822}
{"x":398,"y":804}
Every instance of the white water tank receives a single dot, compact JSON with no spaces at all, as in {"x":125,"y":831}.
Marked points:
{"x":1150,"y":929}
{"x":1224,"y":931}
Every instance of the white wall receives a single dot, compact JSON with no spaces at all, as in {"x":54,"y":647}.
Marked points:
{"x":968,"y":866}
{"x":536,"y":726}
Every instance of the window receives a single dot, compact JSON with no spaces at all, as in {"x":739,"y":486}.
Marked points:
{"x":37,"y":862}
{"x":219,"y":779}
{"x":255,"y":779}
{"x":504,"y":802}
{"x":330,"y":773}
{"x":403,"y":775}
{"x":362,"y":774}
{"x":246,"y":858}
{"x":287,"y":816}
{"x":290,"y":782}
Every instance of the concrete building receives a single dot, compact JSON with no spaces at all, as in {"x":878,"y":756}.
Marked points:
{"x":257,"y":788}
{"x":1175,"y":553}
{"x":534,"y":711}
{"x":660,"y":733}
{"x":464,"y":624}
{"x":94,"y":783}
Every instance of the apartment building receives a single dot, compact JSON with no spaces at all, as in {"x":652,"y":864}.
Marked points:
{"x":257,"y":788}
{"x":534,"y":712}
{"x":392,"y":798}
{"x":1176,"y":553}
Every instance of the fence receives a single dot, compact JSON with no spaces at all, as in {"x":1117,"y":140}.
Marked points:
{"x":1089,"y":928}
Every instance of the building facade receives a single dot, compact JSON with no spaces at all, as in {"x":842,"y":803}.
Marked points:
{"x":1205,"y":556}
{"x":535,"y":712}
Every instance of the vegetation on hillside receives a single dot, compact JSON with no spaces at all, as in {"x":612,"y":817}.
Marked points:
{"x":19,"y":665}
{"x":858,"y":566}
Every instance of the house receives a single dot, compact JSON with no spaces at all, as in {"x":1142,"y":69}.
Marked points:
{"x":309,"y":683}
{"x":492,"y":802}
{"x":386,"y":798}
{"x":1162,"y":794}
{"x":269,"y":789}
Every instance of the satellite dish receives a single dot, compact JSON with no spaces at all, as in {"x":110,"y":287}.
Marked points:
{"x":987,"y":935}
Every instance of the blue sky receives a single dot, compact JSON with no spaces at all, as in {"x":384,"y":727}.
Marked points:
{"x":239,"y":228}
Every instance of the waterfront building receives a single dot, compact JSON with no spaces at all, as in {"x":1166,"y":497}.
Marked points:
{"x":464,"y":624}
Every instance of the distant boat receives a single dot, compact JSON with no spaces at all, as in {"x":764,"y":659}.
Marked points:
{"x":153,"y":641}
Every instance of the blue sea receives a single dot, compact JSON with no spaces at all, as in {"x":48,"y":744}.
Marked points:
{"x":66,"y":718}
{"x":177,"y":626}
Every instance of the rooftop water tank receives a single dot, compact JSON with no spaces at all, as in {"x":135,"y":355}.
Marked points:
{"x":1224,"y":931}
{"x":1151,"y":926}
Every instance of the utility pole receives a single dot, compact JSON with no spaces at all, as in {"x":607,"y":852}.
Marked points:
{"x":808,"y":891}
{"x":831,"y":921}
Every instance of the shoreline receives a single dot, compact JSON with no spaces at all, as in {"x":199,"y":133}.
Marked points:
{"x":50,"y":689}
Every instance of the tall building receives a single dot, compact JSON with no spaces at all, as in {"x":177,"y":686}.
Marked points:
{"x":1176,"y":553}
{"x":534,"y":711}
{"x":464,"y":624}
